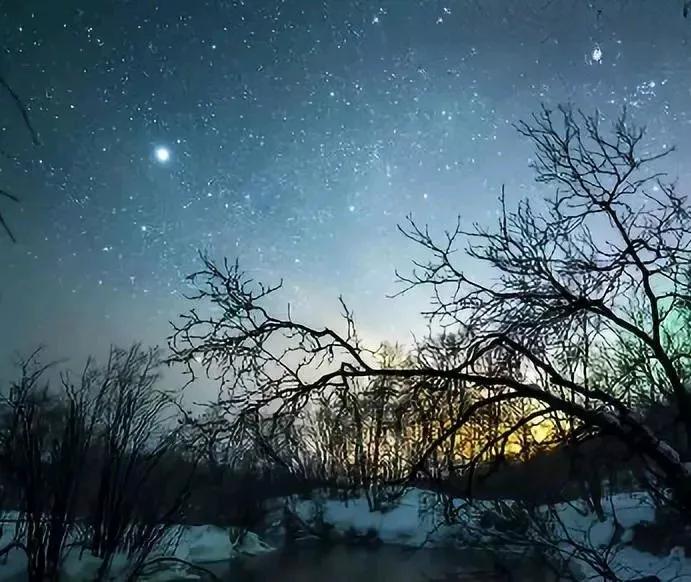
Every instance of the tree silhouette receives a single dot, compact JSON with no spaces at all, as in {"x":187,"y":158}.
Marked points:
{"x":599,"y":268}
{"x":19,"y":107}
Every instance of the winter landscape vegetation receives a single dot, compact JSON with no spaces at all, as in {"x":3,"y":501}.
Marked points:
{"x":184,"y":398}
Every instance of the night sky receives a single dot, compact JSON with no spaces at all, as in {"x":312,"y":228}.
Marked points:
{"x":292,"y":134}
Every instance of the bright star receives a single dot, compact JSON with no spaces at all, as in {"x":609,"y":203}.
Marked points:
{"x":597,"y":54}
{"x":162,"y":154}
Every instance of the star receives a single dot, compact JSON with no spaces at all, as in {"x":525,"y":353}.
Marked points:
{"x":597,"y":54}
{"x":162,"y":154}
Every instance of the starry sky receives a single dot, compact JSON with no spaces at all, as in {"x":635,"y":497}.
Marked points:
{"x":293,"y":134}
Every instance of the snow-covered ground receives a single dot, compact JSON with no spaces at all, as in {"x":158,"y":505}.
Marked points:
{"x":629,"y":563}
{"x":407,"y":523}
{"x":415,"y":521}
{"x":198,"y":545}
{"x":574,"y":526}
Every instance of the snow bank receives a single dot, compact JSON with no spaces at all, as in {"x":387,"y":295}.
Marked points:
{"x":199,"y":545}
{"x":413,"y":523}
{"x":407,"y":523}
{"x":613,"y":535}
{"x":205,"y":544}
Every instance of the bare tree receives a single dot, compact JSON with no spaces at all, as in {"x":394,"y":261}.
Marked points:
{"x":92,"y":462}
{"x":604,"y":261}
{"x":19,"y":106}
{"x":43,"y":447}
{"x":135,"y":434}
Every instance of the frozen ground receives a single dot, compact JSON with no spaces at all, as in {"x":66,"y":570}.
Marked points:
{"x":199,"y":545}
{"x":577,"y":530}
{"x":413,"y":522}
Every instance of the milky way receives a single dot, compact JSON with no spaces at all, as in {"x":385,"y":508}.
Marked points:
{"x":292,"y":134}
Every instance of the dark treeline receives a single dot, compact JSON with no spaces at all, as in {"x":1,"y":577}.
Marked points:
{"x":107,"y":461}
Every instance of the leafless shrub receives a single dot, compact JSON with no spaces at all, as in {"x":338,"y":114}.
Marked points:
{"x":86,"y":462}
